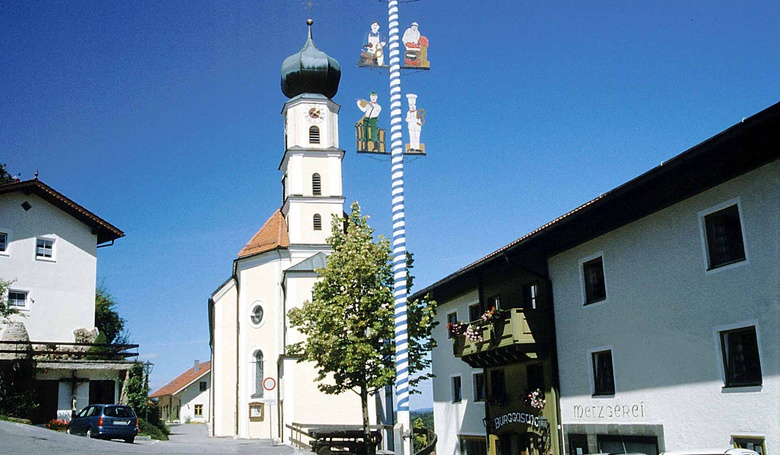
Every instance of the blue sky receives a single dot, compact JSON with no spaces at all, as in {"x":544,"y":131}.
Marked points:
{"x":164,"y":119}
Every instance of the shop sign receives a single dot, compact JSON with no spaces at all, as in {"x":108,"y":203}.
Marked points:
{"x":617,"y":411}
{"x":519,"y":417}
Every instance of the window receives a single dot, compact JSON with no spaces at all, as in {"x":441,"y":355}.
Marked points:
{"x":497,"y":387}
{"x":531,"y":296}
{"x":17,"y":299}
{"x":456,"y":389}
{"x":44,"y":248}
{"x":258,"y":364}
{"x":493,"y":302}
{"x":3,"y":242}
{"x":203,"y":385}
{"x":593,"y":274}
{"x":535,"y":376}
{"x":475,"y":312}
{"x":753,"y":443}
{"x":317,"y":222}
{"x":314,"y":135}
{"x":603,"y":378}
{"x":724,"y":237}
{"x":316,"y":184}
{"x":452,"y":319}
{"x":479,"y":387}
{"x":257,"y":314}
{"x":741,"y":363}
{"x":198,"y":410}
{"x":472,"y":445}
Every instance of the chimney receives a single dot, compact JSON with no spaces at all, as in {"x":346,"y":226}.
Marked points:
{"x":197,"y":366}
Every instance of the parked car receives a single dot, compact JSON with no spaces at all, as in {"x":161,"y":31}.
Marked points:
{"x":725,"y":451}
{"x":105,"y":421}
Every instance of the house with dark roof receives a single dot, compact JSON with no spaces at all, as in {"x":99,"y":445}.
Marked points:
{"x":48,"y":252}
{"x":186,"y":398}
{"x":660,"y":316}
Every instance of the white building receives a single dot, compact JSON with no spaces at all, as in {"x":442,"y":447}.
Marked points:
{"x":257,"y":388}
{"x":666,"y":297}
{"x":48,"y":249}
{"x":186,"y":398}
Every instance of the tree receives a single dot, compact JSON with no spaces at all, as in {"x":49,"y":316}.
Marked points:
{"x":5,"y":177}
{"x":348,"y":325}
{"x":107,"y":320}
{"x":5,"y":309}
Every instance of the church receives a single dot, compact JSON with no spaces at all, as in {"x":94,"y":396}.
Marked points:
{"x":257,"y":389}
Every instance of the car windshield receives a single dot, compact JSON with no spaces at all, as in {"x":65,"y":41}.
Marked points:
{"x":119,"y":411}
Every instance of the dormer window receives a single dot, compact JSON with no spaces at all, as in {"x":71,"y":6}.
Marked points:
{"x":317,"y":221}
{"x":314,"y":135}
{"x":316,"y":184}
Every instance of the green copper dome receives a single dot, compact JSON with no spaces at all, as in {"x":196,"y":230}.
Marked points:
{"x":310,"y":71}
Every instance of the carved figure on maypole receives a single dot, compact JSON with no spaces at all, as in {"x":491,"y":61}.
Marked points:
{"x":415,"y":118}
{"x":416,"y":55}
{"x":370,"y":138}
{"x":373,"y":50}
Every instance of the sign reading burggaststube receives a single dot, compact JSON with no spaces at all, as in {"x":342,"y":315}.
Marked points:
{"x":617,"y":411}
{"x":519,"y":417}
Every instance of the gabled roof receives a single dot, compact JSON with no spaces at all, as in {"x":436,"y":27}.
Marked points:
{"x":746,"y":146}
{"x":272,"y":235}
{"x":180,"y":383}
{"x":105,"y":231}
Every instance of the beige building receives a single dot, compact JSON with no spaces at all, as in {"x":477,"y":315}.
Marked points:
{"x":186,"y":398}
{"x":257,"y":388}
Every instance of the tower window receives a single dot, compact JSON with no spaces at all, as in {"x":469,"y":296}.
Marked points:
{"x":316,"y":184}
{"x":314,"y":135}
{"x":317,"y":222}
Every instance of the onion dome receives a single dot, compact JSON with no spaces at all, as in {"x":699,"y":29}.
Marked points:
{"x":310,"y":71}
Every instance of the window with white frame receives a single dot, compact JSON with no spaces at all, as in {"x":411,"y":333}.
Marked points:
{"x":258,"y":367}
{"x":17,"y":299}
{"x":198,"y":410}
{"x":452,"y":319}
{"x":44,"y":248}
{"x":594,"y":284}
{"x":725,"y":243}
{"x":741,"y":362}
{"x":603,"y":374}
{"x":256,"y":315}
{"x":3,"y":242}
{"x":457,"y":390}
{"x":475,"y":312}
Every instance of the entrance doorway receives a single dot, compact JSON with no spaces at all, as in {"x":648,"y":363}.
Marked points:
{"x":101,"y":392}
{"x":520,"y":444}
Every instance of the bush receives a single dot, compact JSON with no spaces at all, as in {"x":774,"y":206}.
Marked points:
{"x":153,"y":431}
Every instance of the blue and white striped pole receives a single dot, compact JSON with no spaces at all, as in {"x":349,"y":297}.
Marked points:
{"x":399,"y":235}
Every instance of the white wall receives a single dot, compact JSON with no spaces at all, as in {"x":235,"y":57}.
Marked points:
{"x":453,"y":419}
{"x":61,"y":289}
{"x":191,"y":396}
{"x":661,"y":318}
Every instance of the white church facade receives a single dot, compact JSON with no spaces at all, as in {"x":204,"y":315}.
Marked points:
{"x":257,"y":389}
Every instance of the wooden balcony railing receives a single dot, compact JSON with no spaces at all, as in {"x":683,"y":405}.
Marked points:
{"x":513,"y":328}
{"x":43,"y":351}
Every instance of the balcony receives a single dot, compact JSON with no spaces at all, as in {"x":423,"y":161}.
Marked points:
{"x":512,"y":336}
{"x":58,"y":355}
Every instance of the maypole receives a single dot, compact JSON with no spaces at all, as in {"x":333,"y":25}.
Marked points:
{"x":403,"y":424}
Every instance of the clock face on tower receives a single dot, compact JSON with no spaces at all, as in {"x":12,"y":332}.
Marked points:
{"x":314,"y":115}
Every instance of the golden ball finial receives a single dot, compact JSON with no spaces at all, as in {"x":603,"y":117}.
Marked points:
{"x":309,"y":22}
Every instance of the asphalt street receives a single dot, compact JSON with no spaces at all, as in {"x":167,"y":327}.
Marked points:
{"x":186,"y":439}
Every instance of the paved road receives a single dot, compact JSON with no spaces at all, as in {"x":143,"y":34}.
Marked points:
{"x":187,"y":439}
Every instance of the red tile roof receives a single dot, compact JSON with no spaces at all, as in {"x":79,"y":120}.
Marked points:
{"x":183,"y":381}
{"x":105,"y":231}
{"x":272,"y":235}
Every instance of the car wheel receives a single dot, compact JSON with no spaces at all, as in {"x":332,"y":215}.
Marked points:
{"x":89,"y":433}
{"x":130,"y":440}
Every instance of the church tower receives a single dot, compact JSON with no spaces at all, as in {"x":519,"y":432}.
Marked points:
{"x":311,"y":166}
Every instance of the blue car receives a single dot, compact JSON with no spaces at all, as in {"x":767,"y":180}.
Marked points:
{"x":105,"y":421}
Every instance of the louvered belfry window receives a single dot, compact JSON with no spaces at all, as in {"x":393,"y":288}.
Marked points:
{"x":316,"y":184}
{"x":314,"y":135}
{"x":317,"y":222}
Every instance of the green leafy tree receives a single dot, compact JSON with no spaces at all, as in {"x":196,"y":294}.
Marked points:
{"x":107,"y":320}
{"x":5,"y":177}
{"x":348,"y":325}
{"x":5,"y":309}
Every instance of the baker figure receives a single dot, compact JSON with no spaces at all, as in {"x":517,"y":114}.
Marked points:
{"x":414,"y":122}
